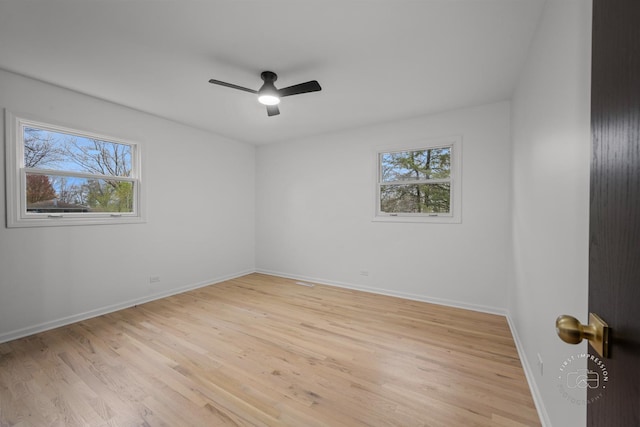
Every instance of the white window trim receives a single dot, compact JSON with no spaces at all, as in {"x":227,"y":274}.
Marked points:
{"x":455,"y":216}
{"x":16,"y":203}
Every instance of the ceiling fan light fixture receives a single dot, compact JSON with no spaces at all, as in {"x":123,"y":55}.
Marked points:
{"x":268,"y":94}
{"x":268,"y":99}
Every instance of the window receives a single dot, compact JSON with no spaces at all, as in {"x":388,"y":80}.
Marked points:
{"x":419,"y":184}
{"x":62,"y":176}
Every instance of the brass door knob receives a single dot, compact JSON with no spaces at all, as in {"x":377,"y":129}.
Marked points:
{"x":571,"y":331}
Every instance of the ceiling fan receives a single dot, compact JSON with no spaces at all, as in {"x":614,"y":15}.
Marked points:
{"x":268,"y":94}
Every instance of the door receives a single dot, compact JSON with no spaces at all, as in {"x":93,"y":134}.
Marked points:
{"x":614,"y":230}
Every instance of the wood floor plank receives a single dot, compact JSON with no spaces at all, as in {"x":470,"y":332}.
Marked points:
{"x":261,"y":350}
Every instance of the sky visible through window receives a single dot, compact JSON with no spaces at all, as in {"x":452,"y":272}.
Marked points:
{"x":428,"y":164}
{"x":416,"y":182}
{"x":66,"y":155}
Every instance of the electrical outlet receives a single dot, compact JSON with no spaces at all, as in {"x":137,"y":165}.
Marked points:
{"x":540,"y":365}
{"x":154,"y":279}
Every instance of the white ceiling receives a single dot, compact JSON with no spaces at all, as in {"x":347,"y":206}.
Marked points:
{"x":377,"y":60}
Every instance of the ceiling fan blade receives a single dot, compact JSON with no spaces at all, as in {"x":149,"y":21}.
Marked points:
{"x":232,"y":86}
{"x":312,"y":86}
{"x":272,"y":110}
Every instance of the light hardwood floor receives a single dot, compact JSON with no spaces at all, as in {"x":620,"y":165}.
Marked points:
{"x":264,"y":351}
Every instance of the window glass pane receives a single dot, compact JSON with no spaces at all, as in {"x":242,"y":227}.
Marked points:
{"x":59,"y":193}
{"x":434,"y":163}
{"x":415,"y":198}
{"x":44,"y":149}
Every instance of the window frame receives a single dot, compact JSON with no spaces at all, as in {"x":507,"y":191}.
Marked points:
{"x":455,"y":179}
{"x":16,"y":178}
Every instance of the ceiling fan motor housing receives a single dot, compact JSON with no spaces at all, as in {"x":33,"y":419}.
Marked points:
{"x":269,"y":76}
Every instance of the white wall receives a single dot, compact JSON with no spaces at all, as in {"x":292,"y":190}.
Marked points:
{"x":315,"y":204}
{"x":200,"y":228}
{"x":551,"y":154}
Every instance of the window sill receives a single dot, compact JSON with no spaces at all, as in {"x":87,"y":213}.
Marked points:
{"x":418,"y":219}
{"x":70,"y":221}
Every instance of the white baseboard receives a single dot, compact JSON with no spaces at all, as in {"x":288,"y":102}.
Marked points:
{"x":406,"y":295}
{"x":528,"y":372}
{"x":45,"y":326}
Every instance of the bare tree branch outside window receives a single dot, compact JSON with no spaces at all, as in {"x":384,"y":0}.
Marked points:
{"x":62,"y":153}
